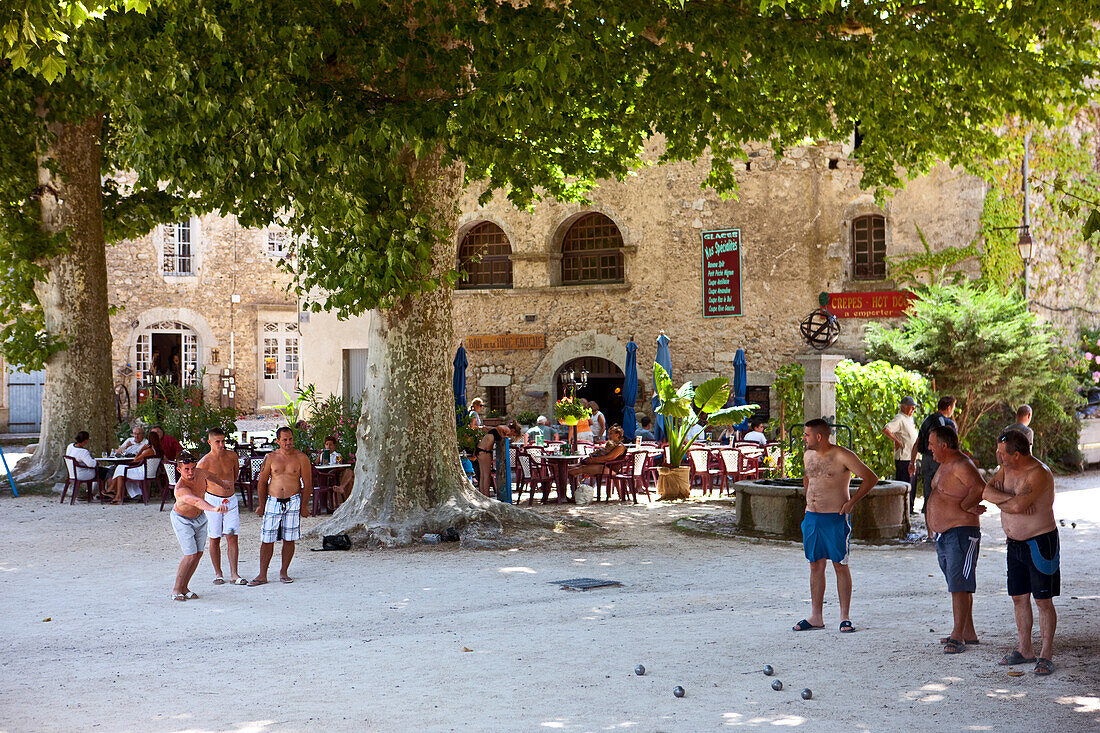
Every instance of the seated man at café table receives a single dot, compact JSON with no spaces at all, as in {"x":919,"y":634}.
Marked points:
{"x":756,"y":434}
{"x":82,"y":457}
{"x":329,"y":456}
{"x":612,"y":450}
{"x":128,"y":476}
{"x":170,"y":445}
{"x":284,"y":488}
{"x":134,"y":444}
{"x":542,"y":428}
{"x":644,"y":431}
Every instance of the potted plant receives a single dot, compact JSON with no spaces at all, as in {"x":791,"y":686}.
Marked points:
{"x":569,"y":412}
{"x":681,"y":408}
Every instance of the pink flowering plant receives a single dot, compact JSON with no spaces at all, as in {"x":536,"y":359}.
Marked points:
{"x":1087,"y":363}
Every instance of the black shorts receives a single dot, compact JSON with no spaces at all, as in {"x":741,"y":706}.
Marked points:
{"x":1033,"y":566}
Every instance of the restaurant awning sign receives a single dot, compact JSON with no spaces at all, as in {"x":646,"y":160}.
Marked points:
{"x":722,"y":273}
{"x":883,"y":304}
{"x":505,"y":341}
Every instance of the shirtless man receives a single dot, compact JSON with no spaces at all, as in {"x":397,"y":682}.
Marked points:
{"x":284,"y":488}
{"x":224,"y":465}
{"x":1023,"y":489}
{"x":953,"y":509}
{"x":188,"y":520}
{"x":827,"y":526}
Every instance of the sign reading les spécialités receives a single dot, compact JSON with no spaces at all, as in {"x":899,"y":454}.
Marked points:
{"x":722,"y":273}
{"x":884,"y":304}
{"x":505,"y":341}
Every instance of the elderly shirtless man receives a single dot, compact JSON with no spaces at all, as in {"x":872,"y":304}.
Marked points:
{"x":953,"y":509}
{"x":223,"y":464}
{"x":1023,"y":489}
{"x":284,"y":488}
{"x":188,"y":520}
{"x":827,"y":526}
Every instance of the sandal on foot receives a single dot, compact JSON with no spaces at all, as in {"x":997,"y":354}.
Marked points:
{"x":952,"y":646}
{"x":846,"y":627}
{"x":219,"y":580}
{"x":968,"y":642}
{"x":179,"y":597}
{"x":191,"y":595}
{"x":805,"y":625}
{"x":256,"y":581}
{"x":238,"y":581}
{"x":1044,"y":667}
{"x":1014,"y":657}
{"x":286,"y":580}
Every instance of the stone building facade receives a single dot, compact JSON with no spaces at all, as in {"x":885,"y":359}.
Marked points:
{"x":201,"y":301}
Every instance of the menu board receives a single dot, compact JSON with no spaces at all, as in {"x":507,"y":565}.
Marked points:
{"x":722,"y":273}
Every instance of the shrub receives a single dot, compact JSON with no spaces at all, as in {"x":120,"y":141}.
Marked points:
{"x":527,"y":417}
{"x":182,"y":413}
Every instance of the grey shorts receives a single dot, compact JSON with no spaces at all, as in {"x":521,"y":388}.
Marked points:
{"x":957,"y":550}
{"x":191,"y":533}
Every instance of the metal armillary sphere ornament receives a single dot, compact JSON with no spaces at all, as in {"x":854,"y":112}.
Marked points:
{"x":820,"y":329}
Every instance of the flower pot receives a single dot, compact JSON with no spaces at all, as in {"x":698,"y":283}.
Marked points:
{"x":568,"y":420}
{"x":674,"y":483}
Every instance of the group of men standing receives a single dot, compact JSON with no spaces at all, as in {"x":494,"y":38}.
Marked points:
{"x":1022,"y":489}
{"x":207,"y":507}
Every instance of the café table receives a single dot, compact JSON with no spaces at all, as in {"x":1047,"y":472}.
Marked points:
{"x":560,"y":463}
{"x":107,"y":464}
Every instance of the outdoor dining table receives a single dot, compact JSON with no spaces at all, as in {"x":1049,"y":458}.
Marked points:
{"x":560,"y":464}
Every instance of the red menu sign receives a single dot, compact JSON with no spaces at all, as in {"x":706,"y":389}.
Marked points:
{"x":885,"y":304}
{"x":722,"y":273}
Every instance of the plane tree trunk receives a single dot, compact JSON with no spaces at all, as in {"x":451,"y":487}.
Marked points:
{"x":78,"y":391}
{"x":408,"y":479}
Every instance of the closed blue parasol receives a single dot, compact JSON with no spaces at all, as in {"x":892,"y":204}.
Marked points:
{"x":664,"y":358}
{"x":459,"y":380}
{"x":740,"y":382}
{"x":630,"y":391}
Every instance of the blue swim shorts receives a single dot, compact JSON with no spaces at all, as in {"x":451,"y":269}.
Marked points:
{"x":825,"y":536}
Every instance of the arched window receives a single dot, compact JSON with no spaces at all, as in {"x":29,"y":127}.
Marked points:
{"x":592,"y":251}
{"x":485,"y":258}
{"x":869,"y":247}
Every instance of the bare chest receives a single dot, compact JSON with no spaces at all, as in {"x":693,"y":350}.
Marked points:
{"x":822,"y":468}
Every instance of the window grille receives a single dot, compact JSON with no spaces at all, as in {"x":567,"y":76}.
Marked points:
{"x":278,"y":242}
{"x":291,"y":362}
{"x":592,"y":251}
{"x":869,"y":248}
{"x":485,"y":258}
{"x":177,"y":249}
{"x":497,"y":400}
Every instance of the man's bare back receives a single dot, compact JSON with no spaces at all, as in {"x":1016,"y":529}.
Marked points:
{"x":223,"y":464}
{"x":956,"y":484}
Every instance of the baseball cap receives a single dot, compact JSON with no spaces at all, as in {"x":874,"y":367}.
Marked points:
{"x":908,"y":401}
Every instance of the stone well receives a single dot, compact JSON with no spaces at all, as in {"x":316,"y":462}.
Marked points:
{"x":774,"y":507}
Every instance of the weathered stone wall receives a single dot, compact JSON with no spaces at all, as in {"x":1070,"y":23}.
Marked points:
{"x":794,"y":214}
{"x":230,"y":261}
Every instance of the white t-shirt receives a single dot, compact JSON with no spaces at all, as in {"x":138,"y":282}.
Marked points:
{"x":599,"y":426}
{"x":131,"y":448}
{"x":85,"y":463}
{"x":755,"y":436}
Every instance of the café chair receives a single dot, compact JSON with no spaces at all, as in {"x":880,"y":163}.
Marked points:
{"x":532,"y":478}
{"x":699,"y":459}
{"x":169,"y":487}
{"x":322,"y":491}
{"x":74,"y":482}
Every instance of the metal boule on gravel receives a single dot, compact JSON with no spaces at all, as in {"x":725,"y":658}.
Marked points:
{"x":639,"y":670}
{"x":678,"y":691}
{"x":807,"y":694}
{"x":777,"y":685}
{"x":768,"y":670}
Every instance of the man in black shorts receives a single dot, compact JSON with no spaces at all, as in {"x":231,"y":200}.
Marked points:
{"x":1023,"y":489}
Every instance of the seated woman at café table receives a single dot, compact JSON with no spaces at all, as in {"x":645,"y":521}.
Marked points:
{"x":612,"y":450}
{"x":485,"y":452}
{"x":82,"y":457}
{"x":128,"y":476}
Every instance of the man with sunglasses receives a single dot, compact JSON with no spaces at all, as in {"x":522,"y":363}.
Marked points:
{"x":1023,"y":489}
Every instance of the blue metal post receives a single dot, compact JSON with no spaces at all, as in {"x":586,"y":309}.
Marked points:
{"x":11,"y":481}
{"x":504,"y":473}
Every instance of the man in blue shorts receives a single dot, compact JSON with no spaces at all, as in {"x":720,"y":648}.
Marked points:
{"x":1023,"y":489}
{"x":827,"y":526}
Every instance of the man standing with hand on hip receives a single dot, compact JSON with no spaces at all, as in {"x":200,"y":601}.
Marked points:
{"x":827,"y":527}
{"x":903,"y":432}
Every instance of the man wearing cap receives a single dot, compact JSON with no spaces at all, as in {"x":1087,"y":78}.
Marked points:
{"x":189,"y":521}
{"x":903,"y":432}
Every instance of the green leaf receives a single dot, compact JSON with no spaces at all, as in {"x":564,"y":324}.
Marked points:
{"x":731,"y":415}
{"x":712,"y":394}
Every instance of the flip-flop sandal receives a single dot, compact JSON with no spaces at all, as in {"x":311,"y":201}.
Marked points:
{"x":286,"y":580}
{"x":253,"y":583}
{"x":179,"y":597}
{"x":1044,"y":667}
{"x":192,"y":595}
{"x":219,"y":580}
{"x":846,"y":627}
{"x":1014,"y":657}
{"x":805,"y":625}
{"x":238,"y":581}
{"x":952,"y":646}
{"x":946,"y":639}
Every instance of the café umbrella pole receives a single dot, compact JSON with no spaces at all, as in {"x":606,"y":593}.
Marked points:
{"x":630,"y":392}
{"x":11,"y":481}
{"x":664,"y":358}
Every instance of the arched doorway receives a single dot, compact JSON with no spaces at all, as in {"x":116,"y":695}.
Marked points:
{"x":605,"y":384}
{"x":167,"y":351}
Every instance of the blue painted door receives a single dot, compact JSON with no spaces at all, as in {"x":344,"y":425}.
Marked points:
{"x":25,"y":401}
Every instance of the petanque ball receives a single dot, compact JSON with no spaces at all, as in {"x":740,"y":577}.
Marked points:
{"x":639,"y":670}
{"x":678,"y":691}
{"x":807,"y":694}
{"x":768,"y":670}
{"x":777,"y":685}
